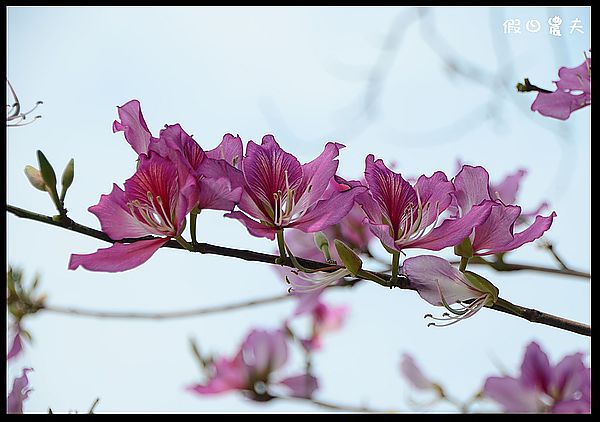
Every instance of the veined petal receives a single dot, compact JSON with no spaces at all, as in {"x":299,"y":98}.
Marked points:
{"x":531,"y":233}
{"x":451,"y":232}
{"x":430,"y":275}
{"x":119,"y":257}
{"x":329,"y":211}
{"x":266,"y":168}
{"x":570,"y":376}
{"x":559,"y":104}
{"x":254,"y":227}
{"x":437,"y":192}
{"x":115,"y":219}
{"x":317,"y":174}
{"x":180,"y":148}
{"x":230,"y":149}
{"x":382,"y":232}
{"x":472,"y":187}
{"x":134,"y":126}
{"x":497,"y":230}
{"x":218,"y":194}
{"x":389,"y":190}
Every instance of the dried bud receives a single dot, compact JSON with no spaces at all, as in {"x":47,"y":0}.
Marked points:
{"x":35,"y":178}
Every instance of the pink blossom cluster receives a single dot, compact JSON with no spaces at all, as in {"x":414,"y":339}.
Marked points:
{"x":270,"y":192}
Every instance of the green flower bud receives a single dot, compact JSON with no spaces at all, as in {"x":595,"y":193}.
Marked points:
{"x":323,"y":244}
{"x":35,"y":178}
{"x":349,"y":258}
{"x":484,"y":285}
{"x":46,"y":170}
{"x":67,"y":177}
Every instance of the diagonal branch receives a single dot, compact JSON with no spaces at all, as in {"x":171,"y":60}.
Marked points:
{"x":502,"y":305}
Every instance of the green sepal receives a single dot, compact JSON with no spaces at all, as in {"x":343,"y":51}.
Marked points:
{"x":484,"y":285}
{"x":349,"y":258}
{"x":464,"y":249}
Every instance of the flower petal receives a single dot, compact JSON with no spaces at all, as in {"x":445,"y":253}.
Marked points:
{"x":119,"y":257}
{"x":19,"y":393}
{"x":229,"y":374}
{"x":472,"y":187}
{"x":497,"y":230}
{"x":16,"y":347}
{"x":133,"y":124}
{"x":508,"y":188}
{"x":301,"y":385}
{"x":230,"y":149}
{"x":317,"y":174}
{"x":437,"y":192}
{"x":412,"y":372}
{"x":531,"y":233}
{"x":254,"y":227}
{"x":536,"y":372}
{"x":511,"y":394}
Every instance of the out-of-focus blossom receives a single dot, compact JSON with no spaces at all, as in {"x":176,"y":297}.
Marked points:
{"x":574,"y":91}
{"x":413,"y":374}
{"x":155,"y":202}
{"x":253,"y":367}
{"x":403,"y":216}
{"x":279,"y":192}
{"x":441,"y":284}
{"x":16,"y":346}
{"x":496,"y":233}
{"x":542,"y":387}
{"x":19,"y":393}
{"x":325,"y":319}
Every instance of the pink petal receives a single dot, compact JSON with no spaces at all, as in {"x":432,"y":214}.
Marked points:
{"x":533,"y":232}
{"x":115,"y":219}
{"x":181,"y":149}
{"x":218,"y":194}
{"x":536,"y":372}
{"x":254,"y":227}
{"x":229,"y":374}
{"x":16,"y":347}
{"x":559,"y":104}
{"x":317,"y":174}
{"x":472,"y":187}
{"x":436,"y":191}
{"x":571,"y":376}
{"x":230,"y":149}
{"x":511,"y":394}
{"x":451,"y":232}
{"x":507,"y":190}
{"x":19,"y":393}
{"x":497,"y":230}
{"x":429,"y":274}
{"x":573,"y":406}
{"x":133,"y":124}
{"x":301,"y":385}
{"x":119,"y":257}
{"x":264,"y":351}
{"x":413,"y":373}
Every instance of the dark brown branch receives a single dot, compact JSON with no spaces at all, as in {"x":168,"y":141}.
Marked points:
{"x":506,"y":266}
{"x":531,"y":315}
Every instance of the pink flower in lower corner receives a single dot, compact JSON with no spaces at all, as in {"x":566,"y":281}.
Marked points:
{"x":252,"y":368}
{"x":542,"y":387}
{"x":574,"y":91}
{"x":155,"y":202}
{"x":404,"y":216}
{"x":19,"y":393}
{"x":279,"y":192}
{"x":496,"y":233}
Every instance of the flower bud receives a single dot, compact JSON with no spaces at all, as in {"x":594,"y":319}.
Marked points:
{"x":67,"y":176}
{"x":323,"y":245}
{"x":46,"y":170}
{"x":35,"y":178}
{"x":349,"y":258}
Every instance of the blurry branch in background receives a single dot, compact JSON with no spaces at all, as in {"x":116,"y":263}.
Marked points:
{"x":383,"y":279}
{"x":14,"y":116}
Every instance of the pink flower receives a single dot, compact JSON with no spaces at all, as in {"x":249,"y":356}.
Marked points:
{"x":412,"y":372}
{"x":155,"y":202}
{"x":403,"y":216}
{"x":441,"y":284}
{"x":325,"y":319}
{"x":17,"y":344}
{"x":19,"y":393}
{"x":279,"y":192}
{"x":574,"y":92}
{"x":541,"y":387}
{"x":495,"y":234}
{"x":219,"y":180}
{"x":261,"y":355}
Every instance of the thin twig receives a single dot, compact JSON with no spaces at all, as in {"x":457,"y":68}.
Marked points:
{"x":506,"y":266}
{"x":335,"y":406}
{"x":531,"y":315}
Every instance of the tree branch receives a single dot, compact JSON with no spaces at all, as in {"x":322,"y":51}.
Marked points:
{"x":502,"y":305}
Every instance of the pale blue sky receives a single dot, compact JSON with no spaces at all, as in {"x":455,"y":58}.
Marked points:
{"x":300,"y":74}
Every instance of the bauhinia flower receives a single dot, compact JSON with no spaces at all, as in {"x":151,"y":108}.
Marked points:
{"x":574,"y":91}
{"x":253,"y":367}
{"x":542,"y":387}
{"x":155,"y":202}
{"x":325,"y":319}
{"x":19,"y":393}
{"x":404,"y":216}
{"x":279,"y":192}
{"x":413,"y":374}
{"x":216,"y":171}
{"x":441,"y":284}
{"x":16,"y":346}
{"x":496,"y":233}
